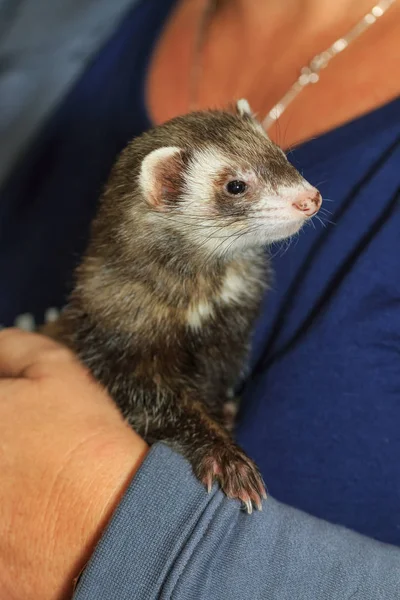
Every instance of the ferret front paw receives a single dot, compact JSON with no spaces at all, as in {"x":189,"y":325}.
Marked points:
{"x":237,"y":475}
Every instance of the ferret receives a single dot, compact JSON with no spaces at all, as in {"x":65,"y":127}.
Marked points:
{"x":172,"y":280}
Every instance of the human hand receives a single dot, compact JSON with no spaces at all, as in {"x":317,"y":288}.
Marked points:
{"x":66,"y":457}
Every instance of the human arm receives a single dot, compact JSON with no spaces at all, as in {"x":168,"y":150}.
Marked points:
{"x":169,"y":539}
{"x":66,"y":457}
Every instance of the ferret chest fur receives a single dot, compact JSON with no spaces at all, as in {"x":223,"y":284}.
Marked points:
{"x":172,"y":332}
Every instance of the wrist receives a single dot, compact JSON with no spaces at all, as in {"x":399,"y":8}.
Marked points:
{"x":84,"y":496}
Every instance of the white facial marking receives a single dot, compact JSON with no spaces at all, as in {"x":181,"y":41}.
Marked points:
{"x":271,"y":215}
{"x":198,"y":313}
{"x":206,"y":165}
{"x":289,"y":193}
{"x":148,"y":169}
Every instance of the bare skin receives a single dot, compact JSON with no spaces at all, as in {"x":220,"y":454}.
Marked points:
{"x":256,"y":49}
{"x":66,"y":457}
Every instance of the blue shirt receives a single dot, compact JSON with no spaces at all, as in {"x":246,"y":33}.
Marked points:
{"x":321,"y":408}
{"x":192,"y":545}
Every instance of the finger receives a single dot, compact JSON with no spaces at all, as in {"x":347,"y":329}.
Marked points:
{"x":22,"y":353}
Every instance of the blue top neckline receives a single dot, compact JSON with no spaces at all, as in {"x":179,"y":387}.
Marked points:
{"x":319,"y":149}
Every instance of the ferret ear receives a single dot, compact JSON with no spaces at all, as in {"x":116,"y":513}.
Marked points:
{"x":161,"y":176}
{"x":243,"y":108}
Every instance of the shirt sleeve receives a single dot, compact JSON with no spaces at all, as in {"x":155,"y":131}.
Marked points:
{"x":170,"y":539}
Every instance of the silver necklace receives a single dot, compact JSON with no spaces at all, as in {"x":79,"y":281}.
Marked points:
{"x":308,"y":74}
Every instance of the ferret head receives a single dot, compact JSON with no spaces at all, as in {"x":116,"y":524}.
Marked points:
{"x":223,"y":184}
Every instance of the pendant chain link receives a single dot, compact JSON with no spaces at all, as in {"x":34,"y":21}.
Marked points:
{"x":308,"y":74}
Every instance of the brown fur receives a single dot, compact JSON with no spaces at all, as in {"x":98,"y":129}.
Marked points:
{"x":127,"y":318}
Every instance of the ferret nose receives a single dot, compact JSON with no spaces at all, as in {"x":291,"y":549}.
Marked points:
{"x":308,"y":202}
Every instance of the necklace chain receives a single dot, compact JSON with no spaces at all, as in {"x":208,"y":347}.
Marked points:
{"x":308,"y":74}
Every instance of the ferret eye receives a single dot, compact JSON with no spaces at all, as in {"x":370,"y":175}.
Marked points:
{"x":236,"y":187}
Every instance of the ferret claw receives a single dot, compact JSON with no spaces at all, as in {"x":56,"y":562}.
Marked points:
{"x":236,"y":474}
